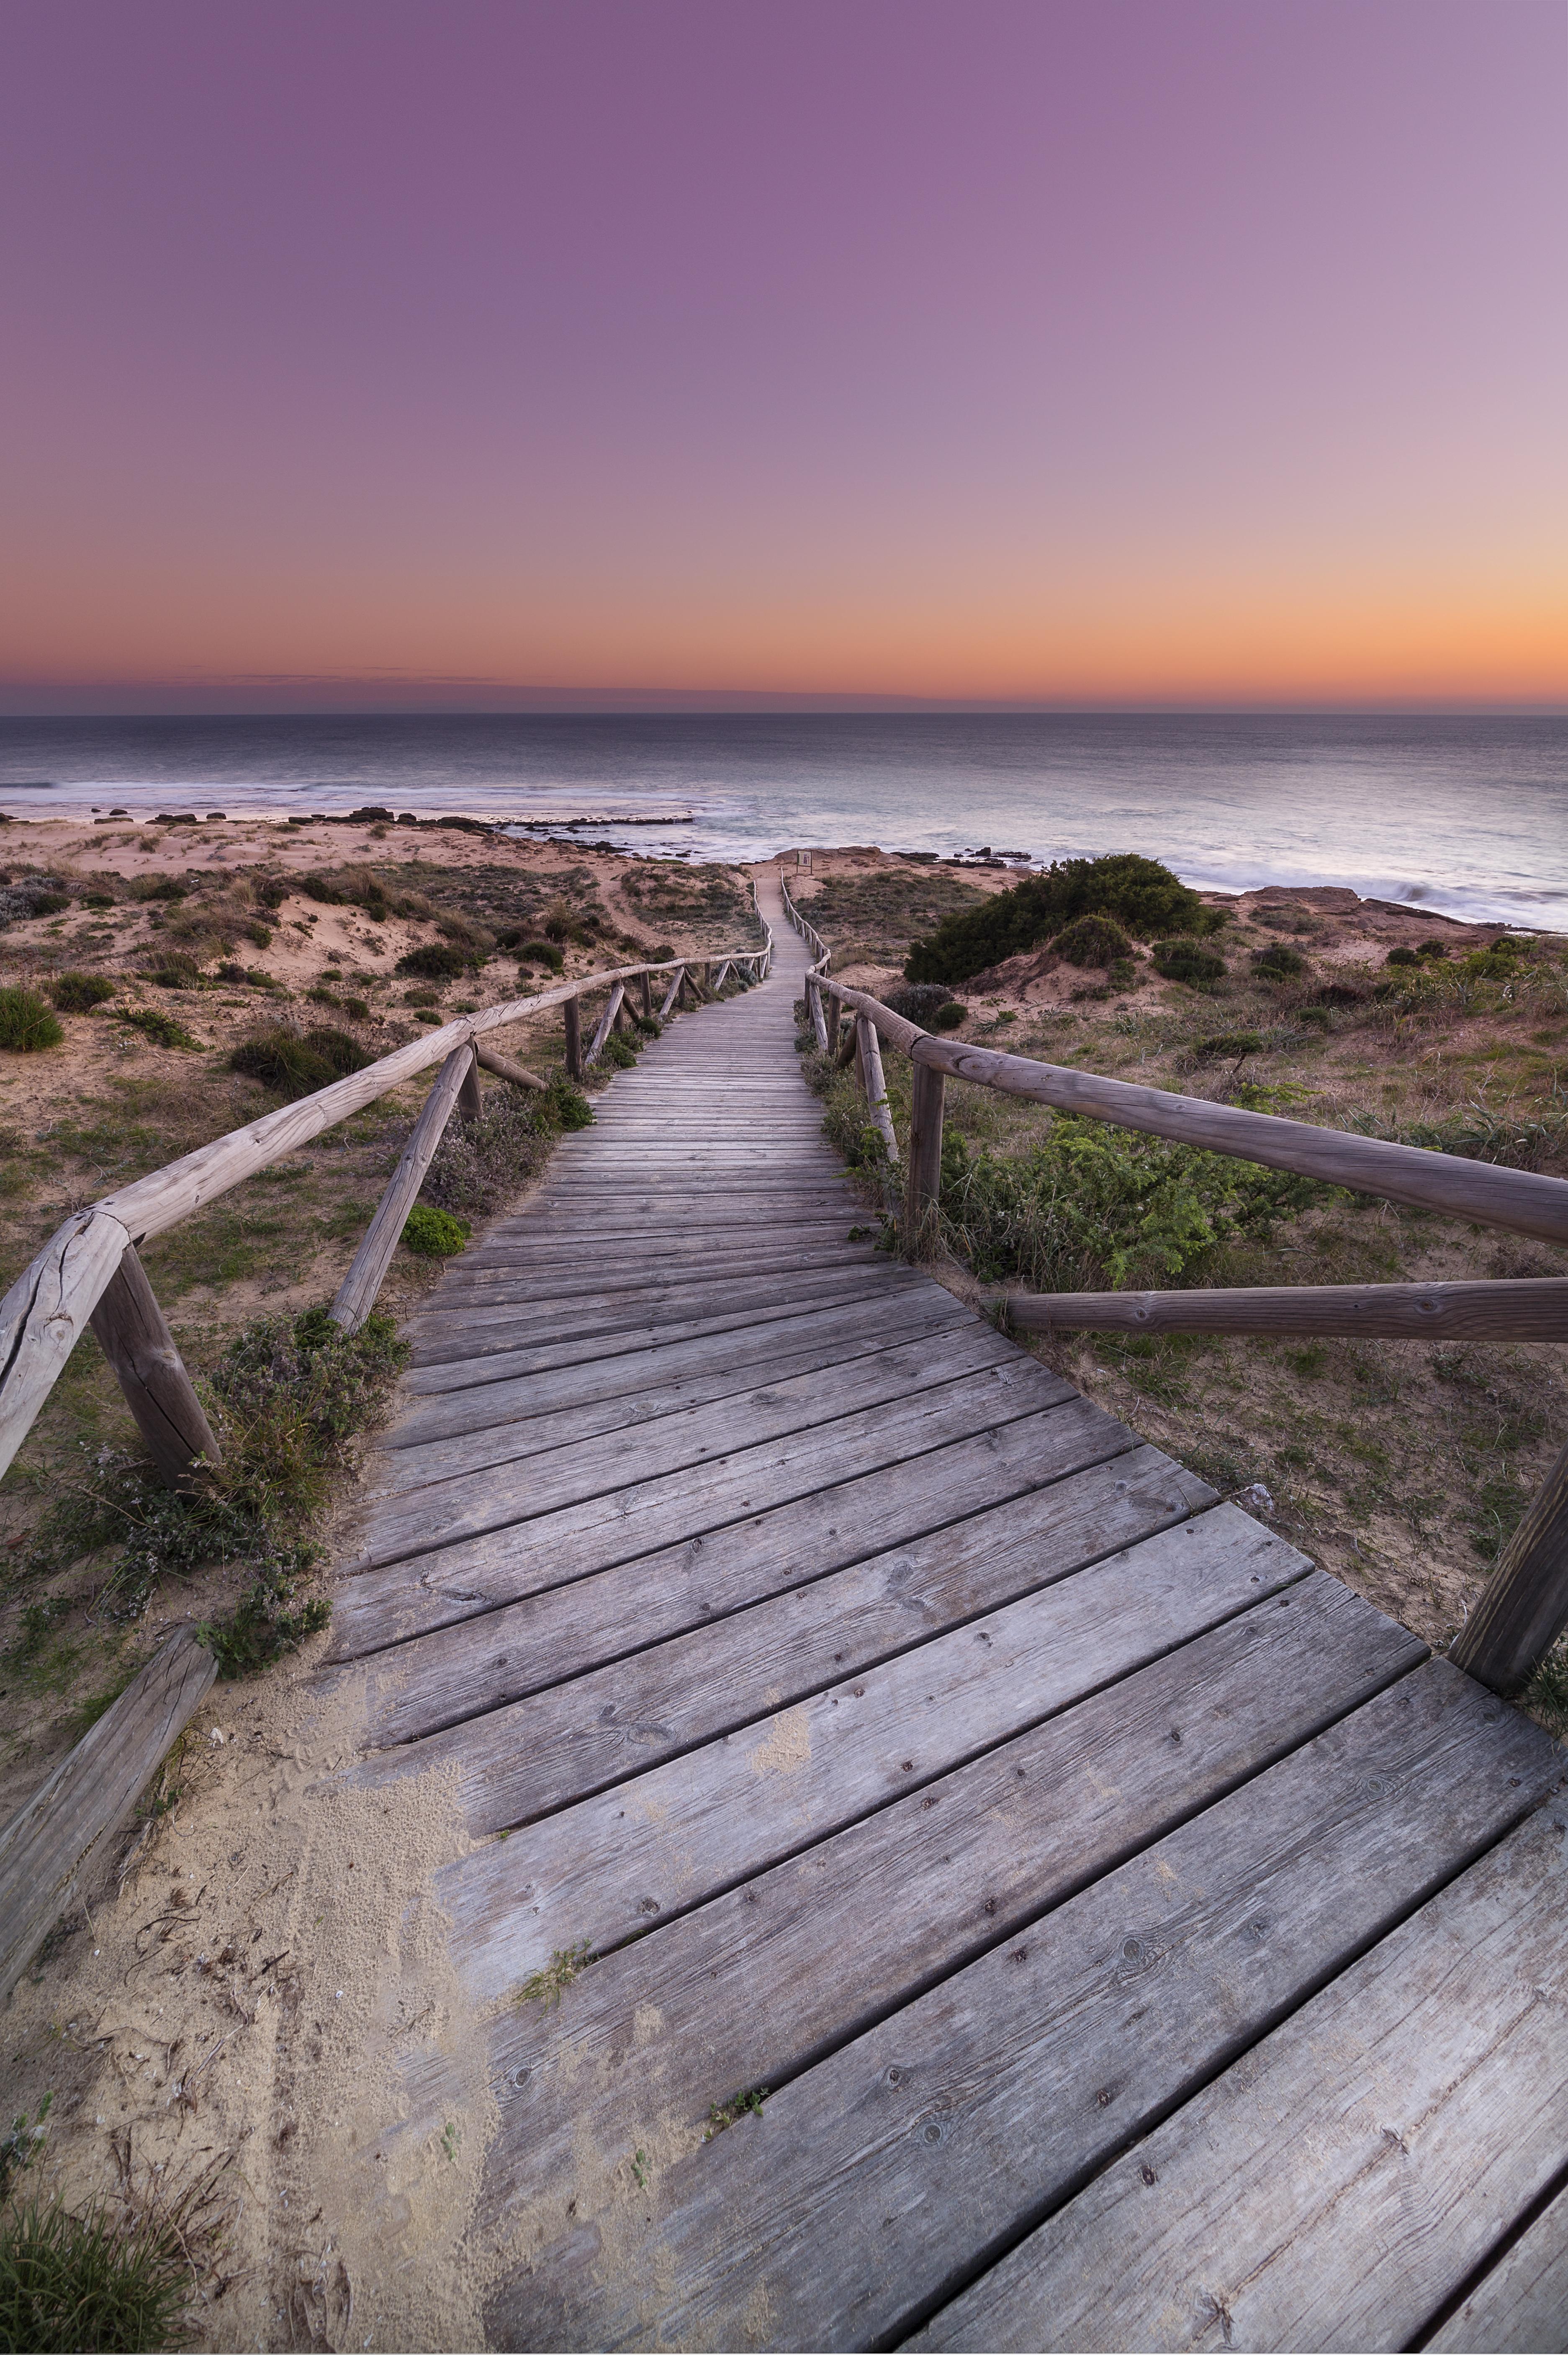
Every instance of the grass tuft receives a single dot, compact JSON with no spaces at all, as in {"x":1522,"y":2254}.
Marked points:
{"x":565,"y":1965}
{"x":430,"y":1233}
{"x":78,"y":993}
{"x":27,"y":1023}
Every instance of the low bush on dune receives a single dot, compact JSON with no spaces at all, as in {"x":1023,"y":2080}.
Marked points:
{"x":1092,"y":940}
{"x":1138,"y":894}
{"x":1185,"y":961}
{"x":26,"y":1024}
{"x":78,"y":993}
{"x":1090,"y":1206}
{"x":430,"y":1233}
{"x":436,"y":961}
{"x":295,"y":1063}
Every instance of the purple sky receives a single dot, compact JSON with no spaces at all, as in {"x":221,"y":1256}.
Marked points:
{"x":1179,"y":352}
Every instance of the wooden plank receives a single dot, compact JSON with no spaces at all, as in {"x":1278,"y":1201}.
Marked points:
{"x":447,"y":1369}
{"x":478,"y":1332}
{"x":864,"y":2193}
{"x":656,"y":1273}
{"x":741,"y":1413}
{"x":134,"y":1334}
{"x":876,"y":1088}
{"x":1529,"y":1308}
{"x":571,"y":1019}
{"x":971,"y":1377}
{"x":1335,"y":2189}
{"x":357,"y":1293}
{"x":637,"y":1383}
{"x":924,"y":1181}
{"x":769,"y":1543}
{"x":1524,"y":2300}
{"x":519,"y":1760}
{"x":660,"y":1842}
{"x":89,"y":1795}
{"x":749,"y":1988}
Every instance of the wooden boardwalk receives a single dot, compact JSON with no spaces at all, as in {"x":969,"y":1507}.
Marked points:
{"x":1143,"y":1943}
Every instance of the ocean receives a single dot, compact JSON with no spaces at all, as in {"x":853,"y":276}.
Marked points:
{"x":1469,"y":816}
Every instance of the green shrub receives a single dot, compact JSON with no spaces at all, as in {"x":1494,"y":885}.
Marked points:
{"x":285,"y":1398}
{"x":1403,"y":956}
{"x":161,"y":1028}
{"x":1184,"y":961}
{"x":570,"y":1108}
{"x":78,"y":993}
{"x":1277,"y":962}
{"x":1092,"y":1205}
{"x":423,"y":1014}
{"x":436,"y":961}
{"x":158,"y":887}
{"x":26,"y":1025}
{"x":296,"y":1064}
{"x":1092,"y":940}
{"x":175,"y":969}
{"x":1226,"y":1043}
{"x":619,"y":1051}
{"x":948,"y":1015}
{"x":430,"y":1233}
{"x":71,"y":2280}
{"x":543,"y":952}
{"x":1139,"y":894}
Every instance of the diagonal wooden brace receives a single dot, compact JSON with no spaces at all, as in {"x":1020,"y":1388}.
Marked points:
{"x":134,"y":1336}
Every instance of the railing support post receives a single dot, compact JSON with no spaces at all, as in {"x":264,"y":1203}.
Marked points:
{"x":134,"y":1334}
{"x":470,"y":1102}
{"x":876,"y":1087}
{"x":924,"y":1184}
{"x":571,"y":1014}
{"x":356,"y":1293}
{"x":647,"y":995}
{"x":819,"y":1021}
{"x":1524,"y":1606}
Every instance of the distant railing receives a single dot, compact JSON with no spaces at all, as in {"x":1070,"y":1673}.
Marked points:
{"x":88,"y":1272}
{"x":1525,"y":1605}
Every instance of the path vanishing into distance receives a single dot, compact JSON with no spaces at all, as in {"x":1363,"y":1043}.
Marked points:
{"x":1029,"y":1904}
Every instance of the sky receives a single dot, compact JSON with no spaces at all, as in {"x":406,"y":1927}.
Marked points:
{"x":1082,"y":352}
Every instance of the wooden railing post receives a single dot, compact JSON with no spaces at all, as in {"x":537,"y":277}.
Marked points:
{"x":571,"y":1014}
{"x":924,"y":1183}
{"x":1524,"y":1608}
{"x":134,"y":1336}
{"x":470,"y":1102}
{"x":814,"y":1006}
{"x":647,"y":991}
{"x":672,"y":993}
{"x":356,"y":1293}
{"x":871,"y":1079}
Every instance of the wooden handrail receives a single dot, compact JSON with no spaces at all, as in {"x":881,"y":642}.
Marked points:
{"x":48,"y":1308}
{"x":1525,"y":1606}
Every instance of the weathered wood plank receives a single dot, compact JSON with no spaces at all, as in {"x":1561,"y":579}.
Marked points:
{"x":442,"y":1369}
{"x":1338,"y":2186}
{"x":765,"y":1545}
{"x":749,"y":1988}
{"x":45,"y":1314}
{"x":740,"y":1412}
{"x":496,"y":1287}
{"x":1523,"y":1606}
{"x":1523,"y":2302}
{"x":617,"y":1715}
{"x":660,"y":1842}
{"x":641,"y":1383}
{"x":89,"y":1795}
{"x":480,"y":1332}
{"x":480,"y":1542}
{"x":867,"y":2188}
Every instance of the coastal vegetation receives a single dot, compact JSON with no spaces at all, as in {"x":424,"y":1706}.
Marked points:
{"x":1400,"y":1465}
{"x":184,"y":999}
{"x":1092,"y":903}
